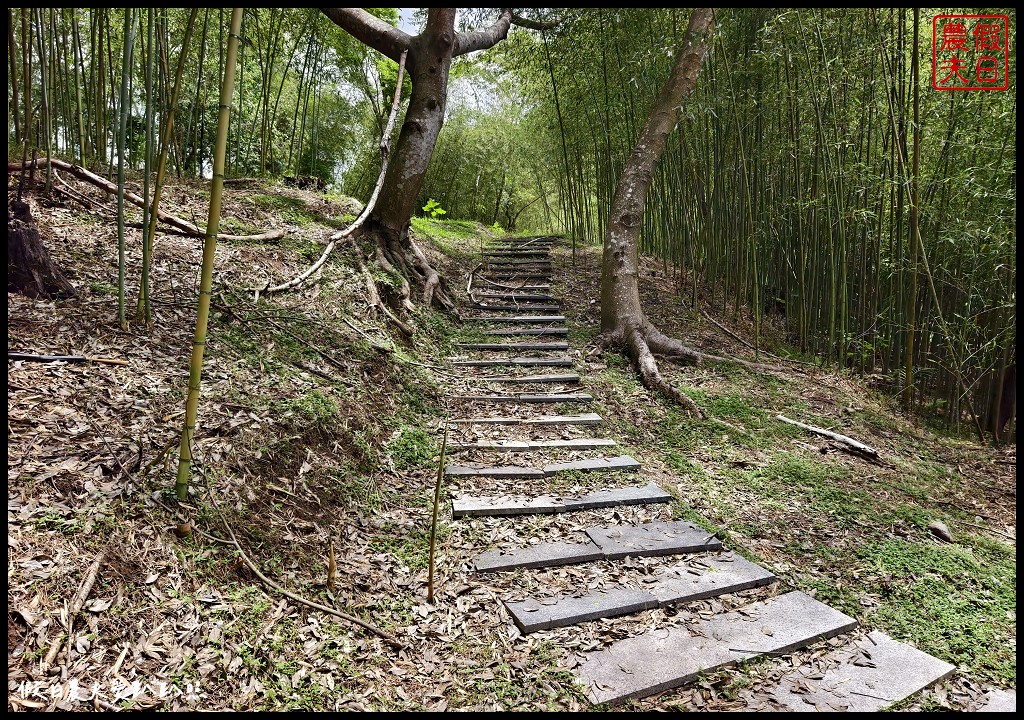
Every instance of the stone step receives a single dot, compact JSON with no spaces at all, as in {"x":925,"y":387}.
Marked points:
{"x":528,"y":331}
{"x":677,"y":539}
{"x":515,"y":308}
{"x":652,"y":539}
{"x":568,"y":379}
{"x":519,"y":276}
{"x":525,"y":287}
{"x":504,"y":471}
{"x":516,"y":362}
{"x":514,"y":346}
{"x":712,"y":576}
{"x":525,"y":319}
{"x":518,"y":297}
{"x":867,"y":676}
{"x":516,"y":263}
{"x":621,"y":463}
{"x":665,"y":658}
{"x":585,"y":419}
{"x":527,"y":398}
{"x":548,"y":504}
{"x":532,"y":445}
{"x":505,"y":255}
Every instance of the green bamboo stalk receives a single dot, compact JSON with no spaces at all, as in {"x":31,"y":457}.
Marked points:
{"x":129,"y":29}
{"x":209,"y":251}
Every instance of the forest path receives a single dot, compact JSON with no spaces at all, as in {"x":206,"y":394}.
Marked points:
{"x":515,"y":405}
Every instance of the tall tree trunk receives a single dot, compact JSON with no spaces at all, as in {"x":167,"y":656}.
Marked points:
{"x":623,"y":321}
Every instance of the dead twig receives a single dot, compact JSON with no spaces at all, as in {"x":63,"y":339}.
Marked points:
{"x":76,"y":606}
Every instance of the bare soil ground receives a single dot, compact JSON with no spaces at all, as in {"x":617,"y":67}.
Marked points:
{"x":320,"y":427}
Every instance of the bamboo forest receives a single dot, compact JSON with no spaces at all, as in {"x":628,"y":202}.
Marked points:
{"x":512,"y":359}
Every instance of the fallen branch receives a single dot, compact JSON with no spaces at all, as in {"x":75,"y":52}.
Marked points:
{"x":76,"y":606}
{"x":63,"y":358}
{"x":385,"y":154}
{"x":846,"y":441}
{"x":184,"y":225}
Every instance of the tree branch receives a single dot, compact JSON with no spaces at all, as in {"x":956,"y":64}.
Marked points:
{"x":370,"y":30}
{"x":467,"y":42}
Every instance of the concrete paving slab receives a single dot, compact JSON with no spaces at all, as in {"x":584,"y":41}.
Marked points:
{"x":1000,"y":701}
{"x":516,"y":362}
{"x":507,"y":505}
{"x":619,"y":463}
{"x":518,"y":297}
{"x":650,"y":539}
{"x":528,"y":331}
{"x":532,"y":615}
{"x":584,"y":419}
{"x":869,"y":677}
{"x":550,"y":554}
{"x":528,"y":398}
{"x":517,"y":307}
{"x":532,"y":445}
{"x":502,"y":277}
{"x":514,"y":347}
{"x":565,"y":379}
{"x":501,"y":471}
{"x":665,"y":658}
{"x":709,"y":577}
{"x":519,"y":319}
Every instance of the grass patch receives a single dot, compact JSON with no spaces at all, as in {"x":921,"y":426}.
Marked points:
{"x":952,"y":601}
{"x":411,"y":447}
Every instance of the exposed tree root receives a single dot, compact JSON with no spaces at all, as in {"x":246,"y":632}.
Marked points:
{"x":643,"y":343}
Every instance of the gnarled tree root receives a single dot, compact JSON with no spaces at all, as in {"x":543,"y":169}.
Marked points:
{"x":643,"y":342}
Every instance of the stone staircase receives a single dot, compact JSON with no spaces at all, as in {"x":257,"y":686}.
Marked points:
{"x":521,"y":387}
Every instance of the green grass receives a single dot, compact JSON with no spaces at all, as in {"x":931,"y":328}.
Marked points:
{"x":951,"y":600}
{"x":411,"y":447}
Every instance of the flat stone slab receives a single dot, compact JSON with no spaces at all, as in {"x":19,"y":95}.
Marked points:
{"x":665,"y":658}
{"x":584,"y":419}
{"x":503,"y":307}
{"x":709,"y":577}
{"x":877,"y":672}
{"x":524,"y":319}
{"x":529,"y":331}
{"x":502,"y":471}
{"x":516,"y":297}
{"x":528,"y":398}
{"x":999,"y":701}
{"x":532,"y":615}
{"x":620,"y":463}
{"x":658,"y":538}
{"x":568,"y":378}
{"x":519,"y":276}
{"x":548,"y":504}
{"x":514,"y":346}
{"x":549,"y":554}
{"x":531,"y":445}
{"x":518,"y":361}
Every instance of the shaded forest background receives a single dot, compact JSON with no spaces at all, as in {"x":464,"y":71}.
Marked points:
{"x":797,"y":186}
